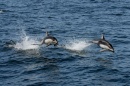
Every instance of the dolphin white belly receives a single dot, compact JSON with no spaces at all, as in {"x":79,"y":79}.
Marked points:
{"x":48,"y":41}
{"x":104,"y":46}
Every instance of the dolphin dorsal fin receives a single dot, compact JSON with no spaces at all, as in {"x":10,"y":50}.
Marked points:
{"x":47,"y":33}
{"x":102,"y":37}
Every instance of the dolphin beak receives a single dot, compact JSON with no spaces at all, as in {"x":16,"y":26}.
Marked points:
{"x":56,"y":44}
{"x":112,"y":50}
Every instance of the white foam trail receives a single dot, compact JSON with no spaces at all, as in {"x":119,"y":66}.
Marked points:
{"x":26,"y":43}
{"x":77,"y":45}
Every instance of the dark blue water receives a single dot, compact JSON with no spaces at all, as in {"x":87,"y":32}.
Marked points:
{"x":73,"y":23}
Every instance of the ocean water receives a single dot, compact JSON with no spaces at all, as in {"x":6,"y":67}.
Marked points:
{"x":76,"y":61}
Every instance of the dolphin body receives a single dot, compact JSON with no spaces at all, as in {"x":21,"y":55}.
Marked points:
{"x":10,"y":44}
{"x":49,"y":40}
{"x":104,"y":44}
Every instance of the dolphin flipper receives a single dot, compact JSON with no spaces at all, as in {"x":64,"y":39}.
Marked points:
{"x":103,"y":50}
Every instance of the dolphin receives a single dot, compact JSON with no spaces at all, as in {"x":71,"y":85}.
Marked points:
{"x":48,"y":40}
{"x":104,"y":44}
{"x":10,"y":44}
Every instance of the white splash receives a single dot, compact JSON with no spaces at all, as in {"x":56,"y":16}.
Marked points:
{"x":26,"y":43}
{"x":77,"y":45}
{"x":1,"y":11}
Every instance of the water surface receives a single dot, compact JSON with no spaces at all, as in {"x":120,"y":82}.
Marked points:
{"x":76,"y":62}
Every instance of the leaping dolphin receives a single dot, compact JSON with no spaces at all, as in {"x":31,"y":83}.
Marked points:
{"x":104,"y":44}
{"x":48,"y":40}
